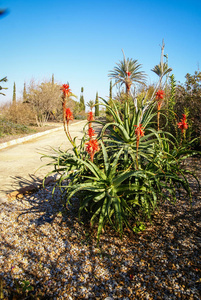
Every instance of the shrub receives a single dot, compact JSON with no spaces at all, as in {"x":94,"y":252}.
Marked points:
{"x":130,"y":168}
{"x":19,"y":113}
{"x":9,"y":128}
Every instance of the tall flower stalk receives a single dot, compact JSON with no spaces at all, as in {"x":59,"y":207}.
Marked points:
{"x":67,"y":114}
{"x":159,"y":98}
{"x":92,"y":145}
{"x":183,"y":125}
{"x":138,"y":132}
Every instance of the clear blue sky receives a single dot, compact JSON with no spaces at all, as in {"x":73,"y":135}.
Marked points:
{"x":80,"y":41}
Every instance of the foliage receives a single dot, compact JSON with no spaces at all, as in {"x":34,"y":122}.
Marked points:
{"x":108,"y":116}
{"x":19,"y":113}
{"x":188,"y":97}
{"x":82,"y":105}
{"x":44,"y":99}
{"x":90,"y":104}
{"x":96,"y":106}
{"x":127,"y":72}
{"x":9,"y":128}
{"x":127,"y":171}
{"x":162,"y":68}
{"x":1,"y":88}
{"x":24,"y":93}
{"x":14,"y":93}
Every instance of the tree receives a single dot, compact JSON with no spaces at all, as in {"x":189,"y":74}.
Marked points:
{"x":82,"y":105}
{"x":110,"y":95}
{"x":162,"y":69}
{"x":24,"y":93}
{"x":90,"y":104}
{"x":44,"y":99}
{"x":4,"y":79}
{"x":188,"y":98}
{"x":97,"y":106}
{"x":127,"y":72}
{"x":52,"y":79}
{"x":14,"y":93}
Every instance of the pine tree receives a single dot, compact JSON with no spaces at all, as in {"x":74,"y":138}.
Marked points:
{"x":97,"y":106}
{"x":14,"y":93}
{"x":82,"y":105}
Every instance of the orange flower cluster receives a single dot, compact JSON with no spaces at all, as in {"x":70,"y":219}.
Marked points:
{"x":139,"y":131}
{"x":91,"y":132}
{"x":92,"y":145}
{"x":159,"y":96}
{"x":69,"y":115}
{"x":183,"y":125}
{"x":90,"y":117}
{"x":65,"y":89}
{"x":92,"y":148}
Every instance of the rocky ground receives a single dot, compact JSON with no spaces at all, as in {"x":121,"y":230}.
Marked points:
{"x":49,"y":252}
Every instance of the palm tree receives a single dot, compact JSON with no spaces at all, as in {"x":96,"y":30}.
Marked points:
{"x":90,"y":104}
{"x":127,"y":72}
{"x":162,"y":69}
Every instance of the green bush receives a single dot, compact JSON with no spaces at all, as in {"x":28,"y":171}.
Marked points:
{"x":10,"y":128}
{"x":127,"y":172}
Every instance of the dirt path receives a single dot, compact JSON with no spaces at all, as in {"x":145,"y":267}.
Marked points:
{"x":19,"y":164}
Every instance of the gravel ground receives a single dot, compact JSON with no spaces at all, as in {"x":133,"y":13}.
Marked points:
{"x":59,"y":257}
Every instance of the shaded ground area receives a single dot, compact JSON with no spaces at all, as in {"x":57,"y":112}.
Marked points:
{"x":48,"y":247}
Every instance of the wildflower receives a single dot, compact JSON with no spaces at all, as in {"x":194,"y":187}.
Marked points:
{"x":91,"y":132}
{"x":139,"y":131}
{"x":65,"y":89}
{"x":159,"y":98}
{"x":183,"y":125}
{"x":128,"y":73}
{"x":160,"y":94}
{"x":90,"y":116}
{"x":92,"y":147}
{"x":69,"y":114}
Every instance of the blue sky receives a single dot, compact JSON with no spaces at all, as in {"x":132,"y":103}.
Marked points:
{"x":80,"y":41}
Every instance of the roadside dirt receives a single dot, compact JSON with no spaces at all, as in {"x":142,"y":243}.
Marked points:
{"x":36,"y":129}
{"x":20,"y":164}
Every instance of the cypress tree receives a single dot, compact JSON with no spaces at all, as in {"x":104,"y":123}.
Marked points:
{"x":108,"y":116}
{"x":110,"y":90}
{"x":14,"y":93}
{"x":52,"y":79}
{"x":24,"y":93}
{"x":82,"y":105}
{"x":97,"y":106}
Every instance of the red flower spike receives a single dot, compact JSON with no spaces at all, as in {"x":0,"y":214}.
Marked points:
{"x":160,"y":94}
{"x":65,"y":89}
{"x":92,"y":148}
{"x":128,"y":73}
{"x":69,"y":114}
{"x":139,"y":131}
{"x":91,"y":132}
{"x":90,"y":116}
{"x":183,"y":125}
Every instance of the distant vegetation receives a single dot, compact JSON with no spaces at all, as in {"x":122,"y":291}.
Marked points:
{"x":41,"y":102}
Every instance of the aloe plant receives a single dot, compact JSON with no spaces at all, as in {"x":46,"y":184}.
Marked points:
{"x":127,"y":170}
